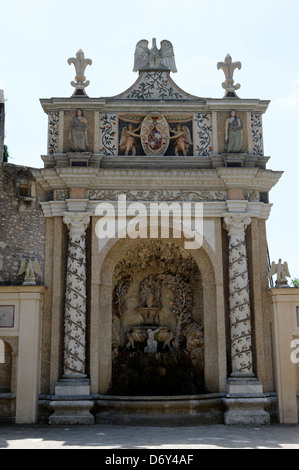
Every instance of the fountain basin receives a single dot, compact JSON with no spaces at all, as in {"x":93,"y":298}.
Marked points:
{"x":179,"y":410}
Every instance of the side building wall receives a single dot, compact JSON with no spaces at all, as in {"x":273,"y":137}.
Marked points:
{"x":22,"y":235}
{"x":285,"y":329}
{"x":22,"y":224}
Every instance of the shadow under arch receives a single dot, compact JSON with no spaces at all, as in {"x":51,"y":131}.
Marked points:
{"x":104,"y":263}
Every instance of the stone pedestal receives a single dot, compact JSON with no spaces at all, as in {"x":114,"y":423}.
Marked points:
{"x":71,"y":412}
{"x":72,"y":404}
{"x":246,"y":403}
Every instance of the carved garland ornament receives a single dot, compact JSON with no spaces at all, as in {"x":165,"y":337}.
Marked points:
{"x":156,"y":195}
{"x":75,"y":299}
{"x":240,"y":322}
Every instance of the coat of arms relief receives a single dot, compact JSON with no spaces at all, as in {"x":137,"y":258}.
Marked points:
{"x":155,"y":134}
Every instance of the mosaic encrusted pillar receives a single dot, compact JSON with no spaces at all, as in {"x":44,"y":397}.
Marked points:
{"x":240,"y":322}
{"x":75,"y":296}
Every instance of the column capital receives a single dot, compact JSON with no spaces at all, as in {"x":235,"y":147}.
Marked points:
{"x":77,"y":222}
{"x":236,"y":223}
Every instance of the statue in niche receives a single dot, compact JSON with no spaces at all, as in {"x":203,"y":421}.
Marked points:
{"x":150,"y":293}
{"x":282,"y":271}
{"x":233,"y":133}
{"x":152,"y":344}
{"x":78,"y":133}
{"x":127,"y":141}
{"x":182,"y":139}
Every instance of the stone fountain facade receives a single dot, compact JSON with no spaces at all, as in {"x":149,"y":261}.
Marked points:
{"x":147,"y":299}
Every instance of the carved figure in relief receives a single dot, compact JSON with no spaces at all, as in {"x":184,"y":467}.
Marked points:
{"x":127,"y":141}
{"x":150,"y":292}
{"x":282,"y":271}
{"x":131,"y":341}
{"x":182,"y":139}
{"x":152,"y":344}
{"x":78,"y":133}
{"x":233,"y":133}
{"x":154,"y":134}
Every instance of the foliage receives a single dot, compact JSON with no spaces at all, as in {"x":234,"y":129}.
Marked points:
{"x":295,"y":282}
{"x":119,"y":295}
{"x":5,"y":154}
{"x":183,"y":302}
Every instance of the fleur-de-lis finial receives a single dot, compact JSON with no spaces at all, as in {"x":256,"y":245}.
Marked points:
{"x":80,"y":64}
{"x":228,"y":68}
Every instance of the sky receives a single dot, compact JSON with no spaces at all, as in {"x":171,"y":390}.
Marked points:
{"x":38,"y":36}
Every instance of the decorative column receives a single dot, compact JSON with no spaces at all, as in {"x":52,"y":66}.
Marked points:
{"x":240,"y":322}
{"x":245,"y":399}
{"x":75,"y":296}
{"x":73,"y":402}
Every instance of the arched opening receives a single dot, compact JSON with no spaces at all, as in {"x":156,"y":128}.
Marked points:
{"x":5,"y":367}
{"x":126,"y":269}
{"x":157,"y":322}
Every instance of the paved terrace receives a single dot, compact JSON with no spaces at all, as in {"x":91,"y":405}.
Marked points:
{"x":156,"y":439}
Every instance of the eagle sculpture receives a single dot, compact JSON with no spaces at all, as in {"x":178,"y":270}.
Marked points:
{"x":154,"y":58}
{"x":282,"y":271}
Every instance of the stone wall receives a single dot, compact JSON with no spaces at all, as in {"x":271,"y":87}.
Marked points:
{"x":2,"y":120}
{"x":22,"y":226}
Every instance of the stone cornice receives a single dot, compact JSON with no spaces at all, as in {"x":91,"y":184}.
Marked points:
{"x":115,"y":105}
{"x":237,"y":177}
{"x":74,"y":178}
{"x":65,"y":104}
{"x":210,"y":209}
{"x":252,"y":105}
{"x":97,"y":178}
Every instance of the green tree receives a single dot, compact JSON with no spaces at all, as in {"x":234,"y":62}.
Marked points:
{"x":5,"y":153}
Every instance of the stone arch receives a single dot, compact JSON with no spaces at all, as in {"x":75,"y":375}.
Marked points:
{"x":104,"y":263}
